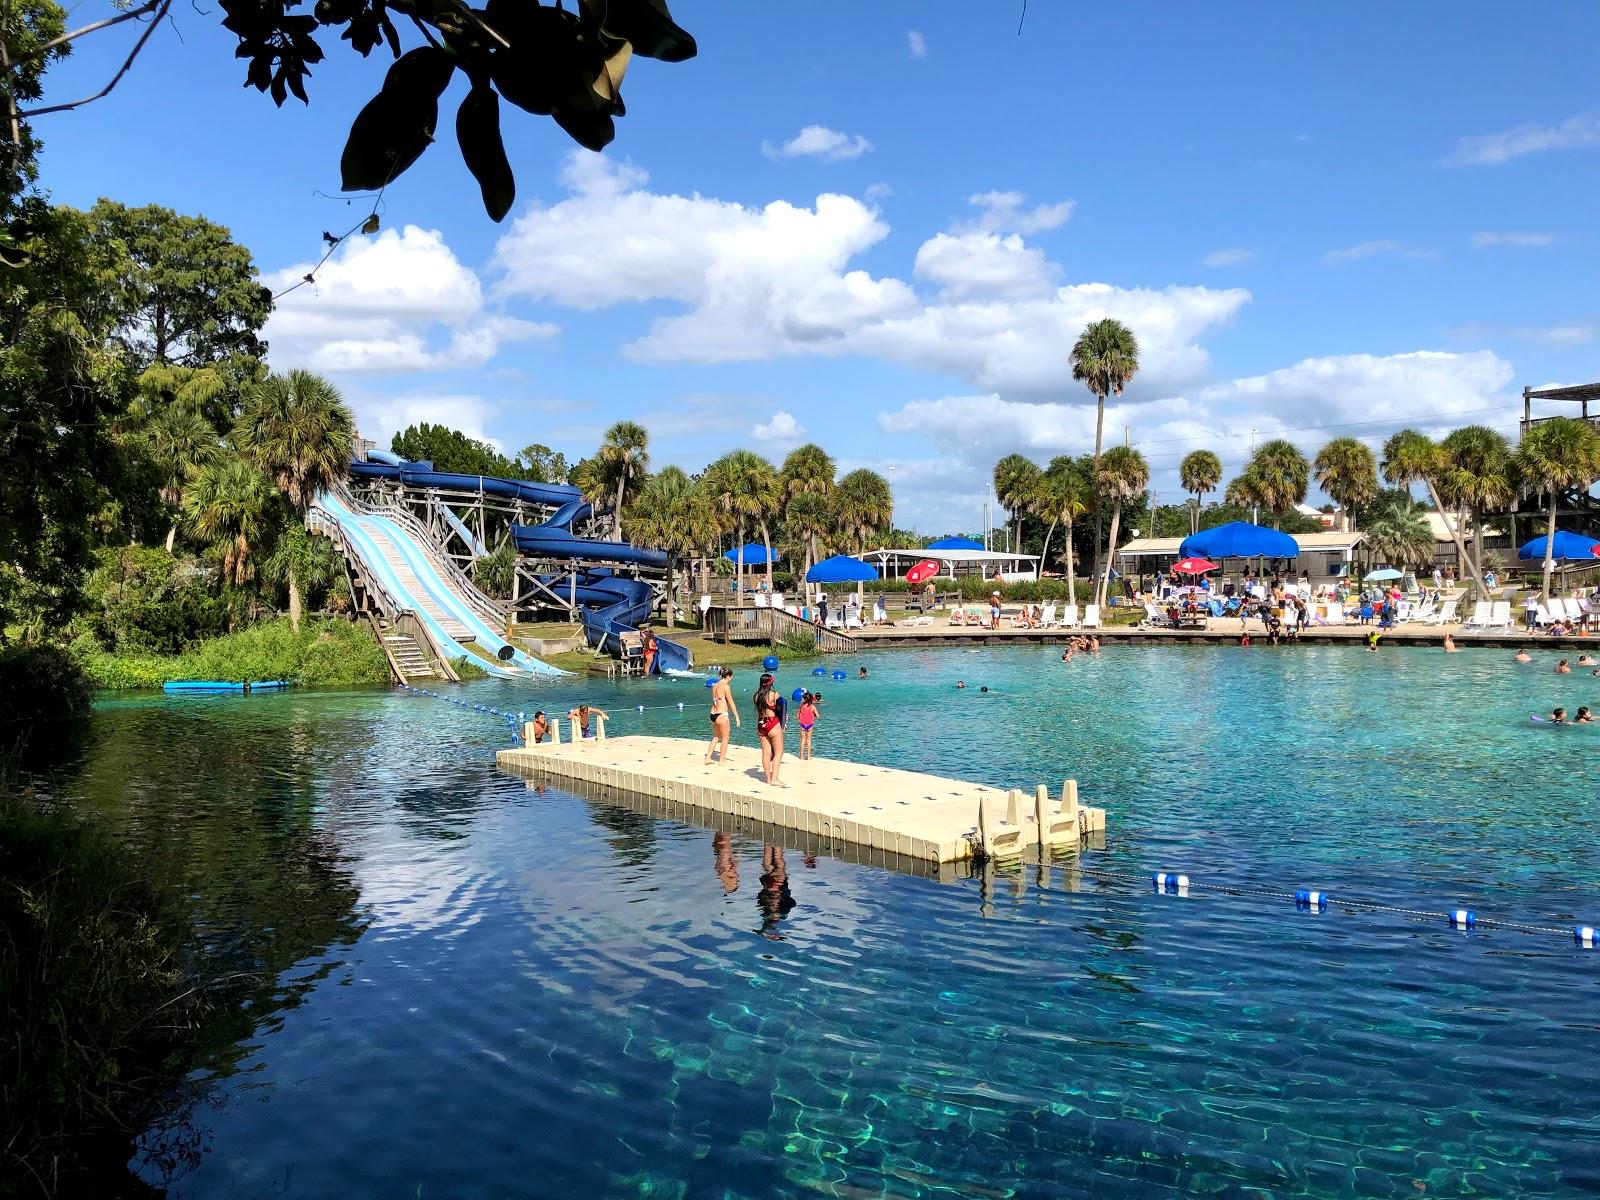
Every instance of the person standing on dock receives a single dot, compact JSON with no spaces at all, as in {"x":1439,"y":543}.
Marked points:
{"x":769,"y":726}
{"x":722,"y":708}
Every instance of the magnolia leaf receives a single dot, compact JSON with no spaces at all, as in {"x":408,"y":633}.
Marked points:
{"x":483,"y":150}
{"x":651,"y":29}
{"x":591,"y":130}
{"x":397,"y":124}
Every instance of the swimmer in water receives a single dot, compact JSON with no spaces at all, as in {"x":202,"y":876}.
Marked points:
{"x":861,"y":674}
{"x":961,"y":683}
{"x":1450,"y":646}
{"x":1524,"y":656}
{"x":1583,"y":717}
{"x":1558,"y":717}
{"x":1585,"y":660}
{"x":984,"y":688}
{"x":1562,"y":668}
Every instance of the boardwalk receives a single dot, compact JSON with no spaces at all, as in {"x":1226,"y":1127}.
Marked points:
{"x":899,"y":814}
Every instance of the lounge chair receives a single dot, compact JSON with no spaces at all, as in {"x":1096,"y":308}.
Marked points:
{"x":917,"y":621}
{"x":1480,"y":615}
{"x":1445,"y":616}
{"x":1069,"y":617}
{"x":1575,"y":613}
{"x":1154,"y":618}
{"x":759,"y":599}
{"x":1047,"y":618}
{"x":1091,"y":617}
{"x":1500,"y":615}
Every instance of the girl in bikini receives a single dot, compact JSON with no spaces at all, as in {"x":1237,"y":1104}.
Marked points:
{"x":807,"y":718}
{"x":771,"y":730}
{"x":722,"y":706}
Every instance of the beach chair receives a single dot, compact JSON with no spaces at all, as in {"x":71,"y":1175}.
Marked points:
{"x":1480,"y":615}
{"x":1154,"y":618}
{"x":1091,"y":616}
{"x":1500,"y":615}
{"x":1069,"y":617}
{"x":777,"y":601}
{"x":1574,"y":610}
{"x":1048,"y":616}
{"x":1445,"y":615}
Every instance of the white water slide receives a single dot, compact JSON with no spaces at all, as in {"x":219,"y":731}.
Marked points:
{"x":412,"y":577}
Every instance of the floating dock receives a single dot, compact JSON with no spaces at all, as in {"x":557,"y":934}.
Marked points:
{"x":898,"y":814}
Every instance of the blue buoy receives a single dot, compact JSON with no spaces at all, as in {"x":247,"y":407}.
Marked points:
{"x":770,"y":662}
{"x":819,"y":671}
{"x":1306,"y":898}
{"x":1166,"y":881}
{"x":1585,"y":935}
{"x":711,"y":683}
{"x":798,"y":694}
{"x":839,"y":676}
{"x":641,"y":708}
{"x":1464,"y":918}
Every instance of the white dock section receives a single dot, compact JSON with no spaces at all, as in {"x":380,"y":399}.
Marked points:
{"x":903,"y":813}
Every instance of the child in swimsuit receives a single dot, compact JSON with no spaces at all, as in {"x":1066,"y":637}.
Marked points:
{"x":807,"y":718}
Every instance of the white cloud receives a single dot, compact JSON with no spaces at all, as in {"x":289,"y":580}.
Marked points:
{"x":1234,"y":256}
{"x":1002,"y":212}
{"x":1488,"y":237}
{"x":782,"y":427}
{"x":916,"y":43}
{"x":762,"y":283}
{"x":379,"y":418}
{"x":965,"y":265}
{"x":397,"y":302}
{"x":1372,"y":249}
{"x":1496,"y":149}
{"x":818,"y":141}
{"x":878,"y":191}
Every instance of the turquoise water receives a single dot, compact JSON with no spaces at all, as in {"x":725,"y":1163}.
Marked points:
{"x":486,"y":990}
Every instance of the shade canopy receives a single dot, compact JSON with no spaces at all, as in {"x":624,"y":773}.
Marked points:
{"x":1380,"y":574}
{"x":922,"y":572}
{"x":1239,"y":539}
{"x":955,"y":543}
{"x":841,"y":568}
{"x":754,"y":552}
{"x":1569,"y":545}
{"x":1193,"y":566}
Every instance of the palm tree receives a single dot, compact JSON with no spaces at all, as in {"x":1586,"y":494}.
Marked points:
{"x":671,"y":515}
{"x":863,"y":506}
{"x":1409,"y":456}
{"x":1479,"y":477}
{"x":180,"y":441}
{"x":1016,"y":480}
{"x":1063,"y":498}
{"x":807,"y":468}
{"x":1348,"y":471}
{"x":1398,"y":532}
{"x":1555,"y":455}
{"x":743,"y":489}
{"x":808,"y":518}
{"x":1104,"y":358}
{"x":232,"y":504}
{"x":623,"y":457}
{"x":1199,"y":472}
{"x":297,"y":429}
{"x":1280,"y":476}
{"x":1121,"y":475}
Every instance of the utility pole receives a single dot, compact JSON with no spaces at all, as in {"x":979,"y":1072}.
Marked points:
{"x":1255,"y":509}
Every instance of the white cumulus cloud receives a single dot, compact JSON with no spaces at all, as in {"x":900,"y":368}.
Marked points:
{"x":818,"y":141}
{"x":1234,"y":256}
{"x":1497,"y":149}
{"x":965,"y":265}
{"x":782,"y":427}
{"x":916,"y":44}
{"x":1003,"y":212}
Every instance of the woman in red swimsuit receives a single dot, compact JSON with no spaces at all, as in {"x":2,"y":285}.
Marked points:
{"x":769,"y":725}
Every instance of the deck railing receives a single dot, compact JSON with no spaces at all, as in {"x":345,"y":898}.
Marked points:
{"x":751,"y":624}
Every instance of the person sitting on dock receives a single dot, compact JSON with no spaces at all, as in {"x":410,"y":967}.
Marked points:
{"x":580,"y":719}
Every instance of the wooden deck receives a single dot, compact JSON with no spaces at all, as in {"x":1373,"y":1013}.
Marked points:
{"x":895,"y":814}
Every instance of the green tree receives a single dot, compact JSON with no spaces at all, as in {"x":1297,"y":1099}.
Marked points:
{"x":297,"y":429}
{"x":188,"y":295}
{"x":451,"y":450}
{"x":1199,"y":472}
{"x":671,"y":515}
{"x":1062,"y":498}
{"x":622,"y":459}
{"x":863,"y":506}
{"x":29,"y":26}
{"x":540,"y":464}
{"x":308,"y":558}
{"x":1555,"y":456}
{"x":1279,"y":477}
{"x":1408,"y":457}
{"x":179,"y":442}
{"x":1397,"y":530}
{"x":743,"y":490}
{"x":807,"y":468}
{"x":232,"y":505}
{"x":1016,"y":482}
{"x":1478,"y":479}
{"x":808,"y":522}
{"x":1122,"y":475}
{"x":1104,"y":359}
{"x":1348,"y":471}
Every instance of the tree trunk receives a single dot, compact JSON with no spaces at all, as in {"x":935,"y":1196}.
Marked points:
{"x":617,"y":514}
{"x":1038,"y":571}
{"x":1105,"y":578}
{"x":1099,"y":429}
{"x":1455,"y":536}
{"x":1550,"y":547}
{"x":738,"y":566}
{"x":672,"y":575}
{"x":172,"y":533}
{"x":1072,"y":578}
{"x":1477,"y":538}
{"x":294,"y":595}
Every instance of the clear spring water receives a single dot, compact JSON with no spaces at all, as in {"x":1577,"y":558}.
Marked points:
{"x":488,"y":991}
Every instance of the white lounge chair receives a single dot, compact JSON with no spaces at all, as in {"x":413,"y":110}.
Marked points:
{"x":1154,"y":618}
{"x":1500,"y":614}
{"x":777,"y":600}
{"x":1335,"y":611}
{"x":1069,"y":617}
{"x":1091,"y":616}
{"x":1445,"y":616}
{"x":1480,"y":615}
{"x":1047,"y":618}
{"x":1574,"y":610}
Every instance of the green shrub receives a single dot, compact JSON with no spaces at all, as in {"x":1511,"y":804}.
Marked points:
{"x":496,"y":574}
{"x":466,"y":668}
{"x":322,"y":653}
{"x":143,"y":599}
{"x":798,"y":643}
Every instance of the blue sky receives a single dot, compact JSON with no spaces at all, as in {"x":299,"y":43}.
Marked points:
{"x":880,"y":227}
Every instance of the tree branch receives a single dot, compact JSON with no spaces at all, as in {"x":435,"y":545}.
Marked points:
{"x":75,"y":34}
{"x":12,"y":116}
{"x":161,"y":7}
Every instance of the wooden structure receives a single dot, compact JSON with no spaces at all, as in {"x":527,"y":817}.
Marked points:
{"x":905,"y":814}
{"x":750,"y":624}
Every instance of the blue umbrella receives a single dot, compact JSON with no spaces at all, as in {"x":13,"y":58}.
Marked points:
{"x":955,"y":543}
{"x":841,"y":568}
{"x":1239,"y":539}
{"x":755,"y":554}
{"x":1569,"y":545}
{"x":1380,"y":574}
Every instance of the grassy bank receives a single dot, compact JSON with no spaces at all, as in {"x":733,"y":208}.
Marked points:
{"x":322,"y":652}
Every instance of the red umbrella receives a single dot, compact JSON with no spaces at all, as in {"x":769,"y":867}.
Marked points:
{"x":922,"y":572}
{"x":1193,"y":566}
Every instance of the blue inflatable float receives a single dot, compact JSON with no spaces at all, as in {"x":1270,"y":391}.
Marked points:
{"x":770,"y":662}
